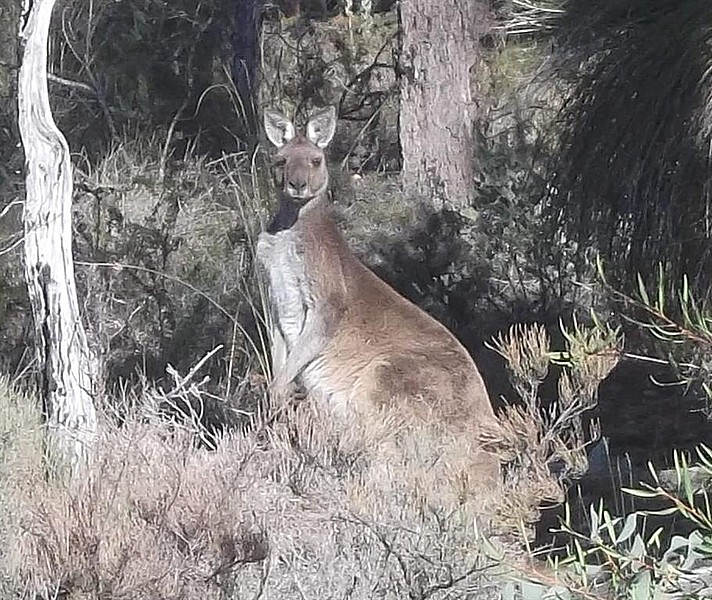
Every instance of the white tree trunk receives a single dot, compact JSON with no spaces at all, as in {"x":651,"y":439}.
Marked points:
{"x":62,"y":349}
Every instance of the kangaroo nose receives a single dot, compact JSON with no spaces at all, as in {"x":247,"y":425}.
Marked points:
{"x":298,"y":186}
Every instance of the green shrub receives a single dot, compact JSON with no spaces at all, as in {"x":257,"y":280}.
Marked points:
{"x":621,"y":557}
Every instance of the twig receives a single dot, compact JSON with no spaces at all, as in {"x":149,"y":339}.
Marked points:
{"x":85,"y":61}
{"x":12,"y":246}
{"x":167,"y":144}
{"x":359,"y":134}
{"x":182,"y":382}
{"x":9,"y":206}
{"x":77,"y":85}
{"x":231,"y":358}
{"x":121,"y":266}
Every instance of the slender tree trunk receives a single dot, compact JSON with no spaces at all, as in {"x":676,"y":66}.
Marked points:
{"x":62,"y":349}
{"x":8,"y":51}
{"x":248,"y":22}
{"x":439,"y":46}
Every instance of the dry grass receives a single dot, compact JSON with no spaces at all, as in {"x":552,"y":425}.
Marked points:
{"x":298,"y":504}
{"x":20,"y":459}
{"x":293,"y":509}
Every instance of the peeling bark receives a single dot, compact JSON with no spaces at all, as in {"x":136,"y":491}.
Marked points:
{"x":440,"y":43}
{"x":61,"y":343}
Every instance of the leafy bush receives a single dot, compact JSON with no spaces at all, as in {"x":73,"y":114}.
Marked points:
{"x":679,"y":326}
{"x":166,"y":251}
{"x":621,"y":557}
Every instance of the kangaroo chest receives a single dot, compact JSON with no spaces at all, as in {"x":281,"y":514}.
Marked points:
{"x":290,"y":294}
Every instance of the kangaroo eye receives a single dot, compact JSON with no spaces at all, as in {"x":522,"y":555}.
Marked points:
{"x":280,"y":162}
{"x":316,"y":162}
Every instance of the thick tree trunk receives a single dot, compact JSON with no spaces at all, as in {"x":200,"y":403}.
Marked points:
{"x":62,"y":349}
{"x":439,"y":46}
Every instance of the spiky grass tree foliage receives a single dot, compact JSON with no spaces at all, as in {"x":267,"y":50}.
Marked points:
{"x":528,"y":18}
{"x":633,"y":173}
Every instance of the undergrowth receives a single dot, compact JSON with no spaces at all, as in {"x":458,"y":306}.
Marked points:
{"x":160,"y":515}
{"x":290,"y":504}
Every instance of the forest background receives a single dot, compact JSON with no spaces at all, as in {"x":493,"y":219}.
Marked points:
{"x":498,"y":163}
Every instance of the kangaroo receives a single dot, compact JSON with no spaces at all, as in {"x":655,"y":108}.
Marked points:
{"x":342,"y":332}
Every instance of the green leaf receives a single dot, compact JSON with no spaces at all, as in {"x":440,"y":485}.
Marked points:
{"x":629,"y":527}
{"x":580,"y":554}
{"x":531,"y":590}
{"x":661,"y":512}
{"x":685,"y":289}
{"x":705,"y":455}
{"x":642,"y":586}
{"x":509,"y":590}
{"x":638,"y":548}
{"x":558,"y":592}
{"x":610,"y":528}
{"x":595,"y":521}
{"x":683,"y":475}
{"x":653,"y":472}
{"x":640,"y":493}
{"x":642,"y":291}
{"x":599,"y":269}
{"x":654,"y":539}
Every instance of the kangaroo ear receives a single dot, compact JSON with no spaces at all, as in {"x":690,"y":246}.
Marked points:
{"x":321,"y":126}
{"x":279,"y":129}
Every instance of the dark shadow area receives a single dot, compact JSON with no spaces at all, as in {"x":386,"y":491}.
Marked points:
{"x":642,"y":421}
{"x":632,"y":175}
{"x":645,"y":419}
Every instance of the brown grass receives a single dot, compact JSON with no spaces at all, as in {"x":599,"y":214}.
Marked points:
{"x":296,"y":505}
{"x":296,"y":509}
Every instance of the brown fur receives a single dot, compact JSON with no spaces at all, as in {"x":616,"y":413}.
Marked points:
{"x":356,"y":344}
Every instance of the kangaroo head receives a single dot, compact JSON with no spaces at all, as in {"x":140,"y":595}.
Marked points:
{"x":299,"y":162}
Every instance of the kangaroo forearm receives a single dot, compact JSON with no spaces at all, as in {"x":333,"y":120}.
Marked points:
{"x":298,"y":358}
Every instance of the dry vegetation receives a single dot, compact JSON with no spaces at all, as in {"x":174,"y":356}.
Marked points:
{"x":286,"y":510}
{"x":288,"y":503}
{"x":291,"y":505}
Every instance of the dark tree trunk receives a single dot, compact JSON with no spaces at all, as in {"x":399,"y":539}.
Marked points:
{"x":62,"y":350}
{"x":248,"y":22}
{"x":9,"y":16}
{"x":9,"y":62}
{"x":440,"y":44}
